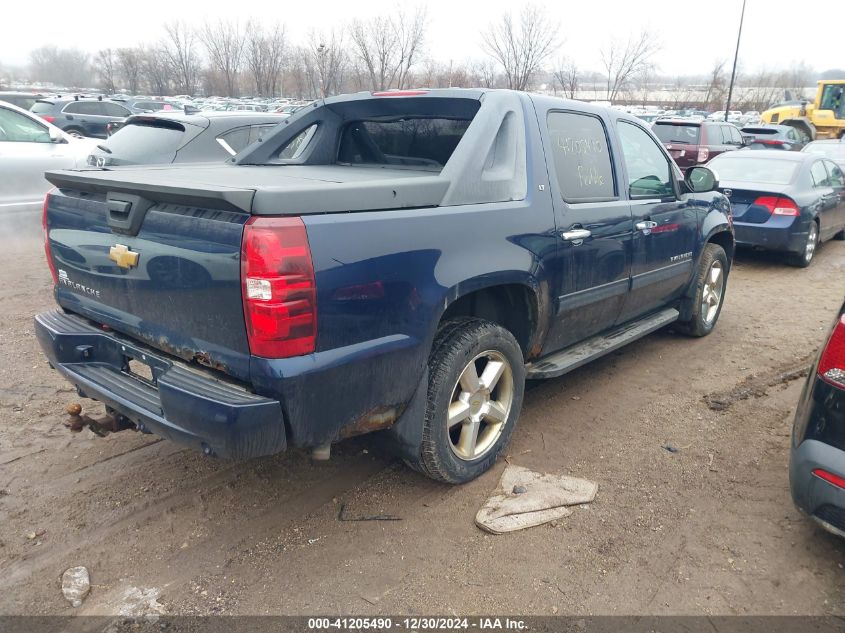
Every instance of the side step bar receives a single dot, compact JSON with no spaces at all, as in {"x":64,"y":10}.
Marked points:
{"x":573,"y":357}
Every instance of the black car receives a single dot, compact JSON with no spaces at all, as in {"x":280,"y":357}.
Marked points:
{"x":182,"y":138}
{"x":783,"y":201}
{"x":21,"y":99}
{"x":817,"y":455}
{"x":139,"y":105}
{"x":80,"y":116}
{"x":768,"y":136}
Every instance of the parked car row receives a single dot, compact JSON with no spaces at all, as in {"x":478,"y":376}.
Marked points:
{"x":788,"y":201}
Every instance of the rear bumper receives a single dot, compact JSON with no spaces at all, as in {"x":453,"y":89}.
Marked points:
{"x":778,"y":234}
{"x":823,"y":501}
{"x":181,"y":404}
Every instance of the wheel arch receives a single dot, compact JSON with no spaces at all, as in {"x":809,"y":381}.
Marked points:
{"x":725,"y":239}
{"x":505,"y":303}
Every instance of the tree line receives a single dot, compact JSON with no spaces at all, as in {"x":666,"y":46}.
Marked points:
{"x":520,"y":50}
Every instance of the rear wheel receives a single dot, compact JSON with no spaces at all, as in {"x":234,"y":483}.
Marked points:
{"x":804,"y":258}
{"x":476,"y":384}
{"x":708,"y":293}
{"x":75,"y":132}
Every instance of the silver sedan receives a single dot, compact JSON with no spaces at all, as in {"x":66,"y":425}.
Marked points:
{"x":29,"y":146}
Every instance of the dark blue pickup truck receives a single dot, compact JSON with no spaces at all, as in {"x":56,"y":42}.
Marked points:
{"x":396,"y":262}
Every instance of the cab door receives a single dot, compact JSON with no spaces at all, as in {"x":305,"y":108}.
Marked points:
{"x":592,"y":274}
{"x":665,"y":223}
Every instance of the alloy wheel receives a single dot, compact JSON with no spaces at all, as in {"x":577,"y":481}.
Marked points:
{"x":480,"y":405}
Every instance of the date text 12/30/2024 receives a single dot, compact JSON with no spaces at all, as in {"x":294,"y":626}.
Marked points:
{"x":416,"y":624}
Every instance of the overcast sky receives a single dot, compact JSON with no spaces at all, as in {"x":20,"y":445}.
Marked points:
{"x":694,"y":33}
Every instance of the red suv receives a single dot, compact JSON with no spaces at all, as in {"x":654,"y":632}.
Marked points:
{"x":693,"y":143}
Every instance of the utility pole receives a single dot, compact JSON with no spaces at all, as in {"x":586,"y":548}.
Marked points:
{"x":736,"y":57}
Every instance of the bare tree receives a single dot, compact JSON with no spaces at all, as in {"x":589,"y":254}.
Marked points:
{"x":568,"y":75}
{"x":325,"y":62}
{"x":106,"y":64}
{"x":178,"y":47}
{"x":388,"y":47}
{"x":224,"y":44}
{"x":521,"y":47}
{"x":68,"y":67}
{"x":129,"y":62}
{"x":155,"y":68}
{"x":714,"y":97}
{"x":265,"y":56}
{"x":410,"y":36}
{"x":623,"y":62}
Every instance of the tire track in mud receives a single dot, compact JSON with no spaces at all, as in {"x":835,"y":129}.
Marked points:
{"x":28,"y":564}
{"x":348,"y":475}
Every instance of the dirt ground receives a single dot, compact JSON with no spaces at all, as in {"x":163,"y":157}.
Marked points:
{"x":708,"y":529}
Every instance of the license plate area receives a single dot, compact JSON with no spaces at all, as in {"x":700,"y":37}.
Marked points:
{"x":141,"y":368}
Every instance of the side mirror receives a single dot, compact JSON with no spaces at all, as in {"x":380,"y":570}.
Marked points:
{"x":56,"y":136}
{"x":701,"y":179}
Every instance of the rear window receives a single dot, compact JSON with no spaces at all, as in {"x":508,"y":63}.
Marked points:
{"x":140,"y":142}
{"x":757,"y":131}
{"x":831,"y":150}
{"x":42,"y":107}
{"x":677,"y":133}
{"x":415,"y":142}
{"x":765,"y":170}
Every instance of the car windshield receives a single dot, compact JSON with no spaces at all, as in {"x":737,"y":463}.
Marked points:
{"x":143,"y":142}
{"x":677,"y":133}
{"x":770,"y":171}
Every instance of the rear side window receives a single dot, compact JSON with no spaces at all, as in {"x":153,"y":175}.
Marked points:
{"x":677,"y":133}
{"x":837,"y":179}
{"x":297,"y":145}
{"x":413,"y":142}
{"x":140,"y":143}
{"x":235,"y":140}
{"x":580,"y":157}
{"x":94,"y":108}
{"x":112,"y":109}
{"x":819,"y":174}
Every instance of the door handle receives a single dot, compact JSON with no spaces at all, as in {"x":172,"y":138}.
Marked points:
{"x":645,"y":226}
{"x":575,"y":235}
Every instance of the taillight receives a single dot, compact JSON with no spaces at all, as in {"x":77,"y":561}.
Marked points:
{"x":45,"y":227}
{"x":769,"y":142}
{"x":48,"y":118}
{"x":279,"y":287}
{"x":830,"y":478}
{"x":777,"y":205}
{"x":832,"y":363}
{"x":703,"y":154}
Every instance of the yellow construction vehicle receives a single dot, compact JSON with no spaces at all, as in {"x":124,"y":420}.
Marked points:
{"x":824,"y":118}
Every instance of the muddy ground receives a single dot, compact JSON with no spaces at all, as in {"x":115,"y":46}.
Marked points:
{"x":709,"y":529}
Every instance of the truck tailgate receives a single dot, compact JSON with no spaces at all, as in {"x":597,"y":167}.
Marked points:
{"x":175,"y":285}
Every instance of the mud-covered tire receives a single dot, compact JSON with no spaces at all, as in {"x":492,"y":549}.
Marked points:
{"x":457,"y":344}
{"x":807,"y":255}
{"x":703,"y":312}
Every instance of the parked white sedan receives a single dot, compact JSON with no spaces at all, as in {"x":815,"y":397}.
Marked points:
{"x":29,"y":146}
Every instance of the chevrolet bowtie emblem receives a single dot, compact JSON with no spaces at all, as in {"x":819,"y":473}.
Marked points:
{"x":122,"y":256}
